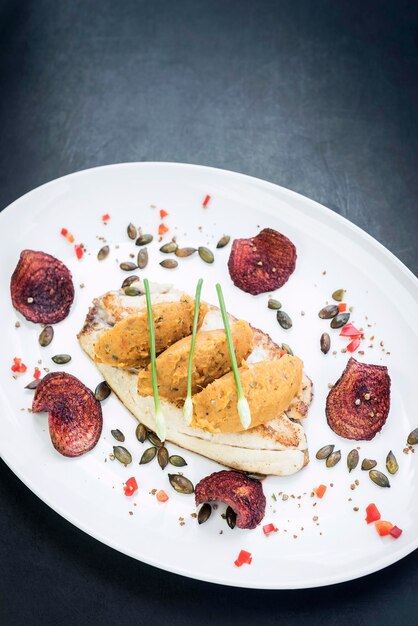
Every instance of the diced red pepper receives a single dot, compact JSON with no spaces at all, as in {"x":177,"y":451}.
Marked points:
{"x":372,"y":513}
{"x":350,"y":331}
{"x":79,"y":251}
{"x":320,"y":491}
{"x":383,"y":528}
{"x":161,"y":496}
{"x":353,"y":345}
{"x":163,"y":214}
{"x":269,"y":528}
{"x":18,"y":366}
{"x":106,"y":217}
{"x":243,"y":557}
{"x":69,"y":237}
{"x":282,"y":353}
{"x":206,"y":201}
{"x":37,"y":373}
{"x":395,"y":532}
{"x":342,"y":307}
{"x":162,"y":229}
{"x":130,"y":486}
{"x":64,"y":232}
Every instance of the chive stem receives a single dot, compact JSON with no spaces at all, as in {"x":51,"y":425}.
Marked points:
{"x":188,"y":406}
{"x":159,"y":417}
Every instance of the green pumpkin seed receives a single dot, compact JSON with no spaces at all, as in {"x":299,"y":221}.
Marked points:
{"x":328,"y":311}
{"x":154,"y":439}
{"x":181,"y":483}
{"x":142,"y":258}
{"x":340,"y":320}
{"x":46,"y":336}
{"x":333,"y":459}
{"x":143,"y":240}
{"x":204,"y":513}
{"x":368,"y":464}
{"x":131,"y":230}
{"x":379,"y":479}
{"x":223,"y":241}
{"x":324,"y":452}
{"x":325,"y":343}
{"x":103,"y":252}
{"x":413,"y":437}
{"x":391,"y":463}
{"x":205,"y":254}
{"x":61,"y":359}
{"x":284,"y":320}
{"x":338,"y":295}
{"x":132,"y":291}
{"x":141,"y":433}
{"x":274,"y":304}
{"x":122,"y":455}
{"x":33,"y":384}
{"x":162,"y":457}
{"x":183,"y":252}
{"x":118,"y":435}
{"x":102,"y":391}
{"x":287,"y":348}
{"x":177,"y":460}
{"x":129,"y":280}
{"x":128,"y":266}
{"x":169,"y":264}
{"x":171,"y":246}
{"x":148,"y":455}
{"x":352,"y":459}
{"x":231,"y":517}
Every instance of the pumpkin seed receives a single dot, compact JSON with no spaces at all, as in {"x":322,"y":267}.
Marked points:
{"x":231,"y":517}
{"x":256,"y":476}
{"x":379,"y":479}
{"x":118,"y":435}
{"x":183,"y":252}
{"x":169,"y":264}
{"x":103,"y":252}
{"x":413,"y":437}
{"x":205,"y":254}
{"x":129,"y":280}
{"x":324,"y":452}
{"x":340,"y":320}
{"x":274,"y":304}
{"x":391,"y":463}
{"x":128,"y":266}
{"x":325,"y":343}
{"x":171,"y":246}
{"x":141,"y":433}
{"x":61,"y":359}
{"x":102,"y":391}
{"x":143,"y":240}
{"x":368,"y":464}
{"x":162,"y":457}
{"x":154,"y":439}
{"x":204,"y":513}
{"x":338,"y":295}
{"x":352,"y":459}
{"x":132,"y":291}
{"x":142,"y":258}
{"x":131,"y":230}
{"x":181,"y":483}
{"x":148,"y":455}
{"x":284,"y":320}
{"x":223,"y":241}
{"x":177,"y":460}
{"x":122,"y":455}
{"x":33,"y":384}
{"x":288,"y":349}
{"x":333,"y":459}
{"x":328,"y":311}
{"x":46,"y":336}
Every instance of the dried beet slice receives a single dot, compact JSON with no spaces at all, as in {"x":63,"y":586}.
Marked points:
{"x":243,"y":494}
{"x":75,"y":416}
{"x":41,"y":287}
{"x":358,"y":405}
{"x":262,"y":263}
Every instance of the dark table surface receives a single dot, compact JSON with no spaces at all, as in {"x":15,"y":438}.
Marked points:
{"x":320,"y":97}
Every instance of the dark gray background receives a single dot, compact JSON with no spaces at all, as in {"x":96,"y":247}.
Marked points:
{"x":319,"y":96}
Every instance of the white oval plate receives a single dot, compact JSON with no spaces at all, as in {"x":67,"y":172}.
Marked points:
{"x":332,"y":254}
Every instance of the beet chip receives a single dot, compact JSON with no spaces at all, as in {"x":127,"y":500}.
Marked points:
{"x":75,"y":416}
{"x":41,"y":287}
{"x":243,"y":494}
{"x":262,"y":263}
{"x":358,"y":405}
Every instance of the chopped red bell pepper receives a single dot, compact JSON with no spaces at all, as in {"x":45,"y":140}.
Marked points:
{"x":161,"y":496}
{"x":64,"y":232}
{"x":37,"y":373}
{"x":106,"y":217}
{"x":79,"y":251}
{"x":69,"y":237}
{"x":243,"y":557}
{"x":320,"y":491}
{"x":383,"y":528}
{"x":162,"y":229}
{"x":372,"y":513}
{"x":269,"y":528}
{"x":130,"y":486}
{"x":206,"y":201}
{"x":163,"y":214}
{"x":18,"y":366}
{"x":342,"y":307}
{"x":353,"y":345}
{"x":395,"y":532}
{"x":350,"y":331}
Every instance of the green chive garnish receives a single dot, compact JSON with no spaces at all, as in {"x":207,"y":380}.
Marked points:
{"x":159,"y":417}
{"x":243,"y":407}
{"x":188,"y":406}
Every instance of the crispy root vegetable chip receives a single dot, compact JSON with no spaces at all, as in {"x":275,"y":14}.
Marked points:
{"x":243,"y":494}
{"x":75,"y":416}
{"x":358,"y":405}
{"x":262,"y":263}
{"x":41,"y":287}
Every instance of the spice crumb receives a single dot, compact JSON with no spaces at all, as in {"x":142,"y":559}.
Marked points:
{"x":130,"y":512}
{"x":315,"y":518}
{"x":331,"y":484}
{"x":82,"y":285}
{"x":357,"y":482}
{"x":193,"y":515}
{"x":153,"y":492}
{"x":355,"y":508}
{"x":17,"y":325}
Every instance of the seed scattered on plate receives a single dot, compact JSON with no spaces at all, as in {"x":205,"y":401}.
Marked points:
{"x":46,"y":336}
{"x":338,"y":295}
{"x":143,"y":240}
{"x":340,"y":320}
{"x":204,"y":513}
{"x":325,"y":343}
{"x":284,"y":320}
{"x":141,"y":433}
{"x":131,"y":230}
{"x":379,"y":479}
{"x":61,"y":359}
{"x":169,"y":247}
{"x":368,"y":464}
{"x":274,"y":304}
{"x":129,"y":280}
{"x":223,"y":241}
{"x":184,"y":252}
{"x":118,"y":435}
{"x":169,"y":264}
{"x":352,"y":459}
{"x":103,"y":252}
{"x":205,"y":254}
{"x":177,"y":460}
{"x":391,"y":463}
{"x":148,"y":455}
{"x":231,"y":517}
{"x":102,"y":391}
{"x":132,"y":291}
{"x":324,"y":452}
{"x":122,"y":455}
{"x":333,"y":459}
{"x":162,"y":457}
{"x":180,"y":483}
{"x":142,"y":258}
{"x":413,"y":437}
{"x":128,"y":266}
{"x":327,"y":312}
